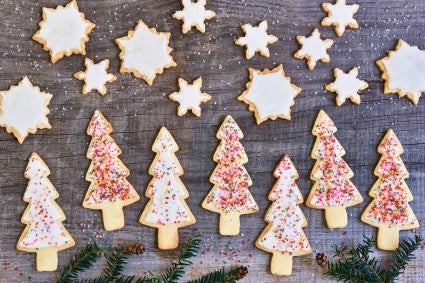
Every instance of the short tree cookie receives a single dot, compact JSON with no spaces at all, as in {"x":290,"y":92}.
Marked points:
{"x":109,"y":189}
{"x":44,"y":234}
{"x":230,"y":195}
{"x":340,"y":15}
{"x":313,"y":49}
{"x":389,"y":210}
{"x":95,"y":76}
{"x":284,"y":236}
{"x":194,"y":14}
{"x":189,"y":97}
{"x":166,"y":210}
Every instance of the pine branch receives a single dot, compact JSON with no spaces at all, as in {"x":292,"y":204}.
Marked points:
{"x":221,"y":276}
{"x":115,"y":263}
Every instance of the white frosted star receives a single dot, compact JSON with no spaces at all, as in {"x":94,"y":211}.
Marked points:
{"x":347,"y":85}
{"x":340,"y":15}
{"x":313,"y":49}
{"x":256,"y":39}
{"x":95,"y":76}
{"x":269,"y":94}
{"x":23,"y":109}
{"x":194,"y":14}
{"x":190,"y":97}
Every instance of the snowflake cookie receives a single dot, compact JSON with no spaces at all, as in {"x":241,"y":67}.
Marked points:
{"x":256,"y":39}
{"x":190,"y":97}
{"x":23,"y":109}
{"x":194,"y":14}
{"x":95,"y":77}
{"x":340,"y":15}
{"x":145,"y":52}
{"x":63,"y":31}
{"x":313,"y":49}
{"x":404,"y":71}
{"x":269,"y":94}
{"x":347,"y":85}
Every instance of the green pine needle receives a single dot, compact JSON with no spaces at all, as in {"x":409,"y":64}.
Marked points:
{"x":219,"y":276}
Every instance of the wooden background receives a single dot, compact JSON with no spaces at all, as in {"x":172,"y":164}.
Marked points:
{"x":137,"y":111}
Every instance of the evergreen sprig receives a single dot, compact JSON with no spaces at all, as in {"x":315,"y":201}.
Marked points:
{"x":220,"y":276}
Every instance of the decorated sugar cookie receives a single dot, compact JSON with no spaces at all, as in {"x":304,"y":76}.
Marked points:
{"x":194,"y":14}
{"x":313,"y":49}
{"x":340,"y":15}
{"x":190,"y":97}
{"x":95,"y":76}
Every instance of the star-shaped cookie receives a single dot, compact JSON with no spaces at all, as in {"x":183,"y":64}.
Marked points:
{"x":63,"y":31}
{"x":145,"y":52}
{"x":190,"y":97}
{"x":23,"y":109}
{"x":313,"y":49}
{"x":340,"y":15}
{"x":347,"y":85}
{"x":256,"y":39}
{"x":95,"y":77}
{"x":404,"y":71}
{"x":194,"y":14}
{"x":269,"y":94}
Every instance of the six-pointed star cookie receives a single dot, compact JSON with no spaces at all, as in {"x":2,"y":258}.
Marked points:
{"x":313,"y":49}
{"x":404,"y":71}
{"x":63,"y":31}
{"x":23,"y":109}
{"x":269,"y":94}
{"x":95,"y":76}
{"x":145,"y":52}
{"x":256,"y":39}
{"x":340,"y":15}
{"x":190,"y":97}
{"x":194,"y":14}
{"x":347,"y":86}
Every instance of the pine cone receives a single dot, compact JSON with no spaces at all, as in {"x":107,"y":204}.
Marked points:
{"x":241,"y":272}
{"x":136,"y":248}
{"x":321,"y":260}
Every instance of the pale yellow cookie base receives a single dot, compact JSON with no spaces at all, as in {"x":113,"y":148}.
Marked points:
{"x":47,"y":259}
{"x":229,"y":224}
{"x":281,"y":264}
{"x":336,"y":217}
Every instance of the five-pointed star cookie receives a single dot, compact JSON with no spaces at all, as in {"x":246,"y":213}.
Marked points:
{"x":23,"y":109}
{"x":256,"y":39}
{"x":194,"y":14}
{"x":313,"y":49}
{"x":347,"y":85}
{"x":190,"y":97}
{"x":340,"y":15}
{"x":145,"y":52}
{"x":63,"y":31}
{"x":269,"y":94}
{"x":95,"y":76}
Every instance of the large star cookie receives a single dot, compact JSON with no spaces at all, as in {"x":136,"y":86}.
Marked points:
{"x":256,"y":39}
{"x":23,"y":109}
{"x":313,"y":49}
{"x":340,"y":15}
{"x":190,"y":97}
{"x":269,"y":94}
{"x":145,"y":52}
{"x":63,"y":31}
{"x":347,"y":85}
{"x":95,"y":76}
{"x":194,"y":14}
{"x":404,"y":71}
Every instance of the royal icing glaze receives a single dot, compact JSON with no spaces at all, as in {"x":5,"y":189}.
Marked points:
{"x":95,"y":76}
{"x":194,"y":14}
{"x":190,"y":97}
{"x":313,"y":49}
{"x":340,"y":15}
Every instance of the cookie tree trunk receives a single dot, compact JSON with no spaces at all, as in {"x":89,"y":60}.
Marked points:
{"x":229,"y":224}
{"x":387,"y":238}
{"x":47,"y":259}
{"x":168,"y":237}
{"x":281,"y":264}
{"x":336,"y":217}
{"x":113,"y":217}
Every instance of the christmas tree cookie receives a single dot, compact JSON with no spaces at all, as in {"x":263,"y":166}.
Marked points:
{"x":332,"y":189}
{"x":44,"y":234}
{"x":109,"y":189}
{"x":230,"y":195}
{"x":389,"y":210}
{"x":166,"y":210}
{"x":284,"y":236}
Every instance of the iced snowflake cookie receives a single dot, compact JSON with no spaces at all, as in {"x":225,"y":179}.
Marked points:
{"x":347,"y":86}
{"x":404,"y":71}
{"x":63,"y":31}
{"x":190,"y":97}
{"x":313,"y":49}
{"x":269,"y":94}
{"x":256,"y":39}
{"x":194,"y":14}
{"x":340,"y":15}
{"x":145,"y":52}
{"x":23,"y":109}
{"x":95,"y":76}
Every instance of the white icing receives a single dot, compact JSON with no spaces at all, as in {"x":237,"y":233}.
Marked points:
{"x":340,"y":15}
{"x":314,"y":48}
{"x":190,"y":97}
{"x":194,"y":14}
{"x":347,"y":86}
{"x":95,"y":76}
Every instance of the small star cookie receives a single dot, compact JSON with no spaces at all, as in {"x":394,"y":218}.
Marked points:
{"x":95,"y":76}
{"x":63,"y":31}
{"x":347,"y":85}
{"x":404,"y":71}
{"x":256,"y":39}
{"x":313,"y":49}
{"x":340,"y":15}
{"x":269,"y":94}
{"x":145,"y":52}
{"x":23,"y":109}
{"x":194,"y":14}
{"x":190,"y":97}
